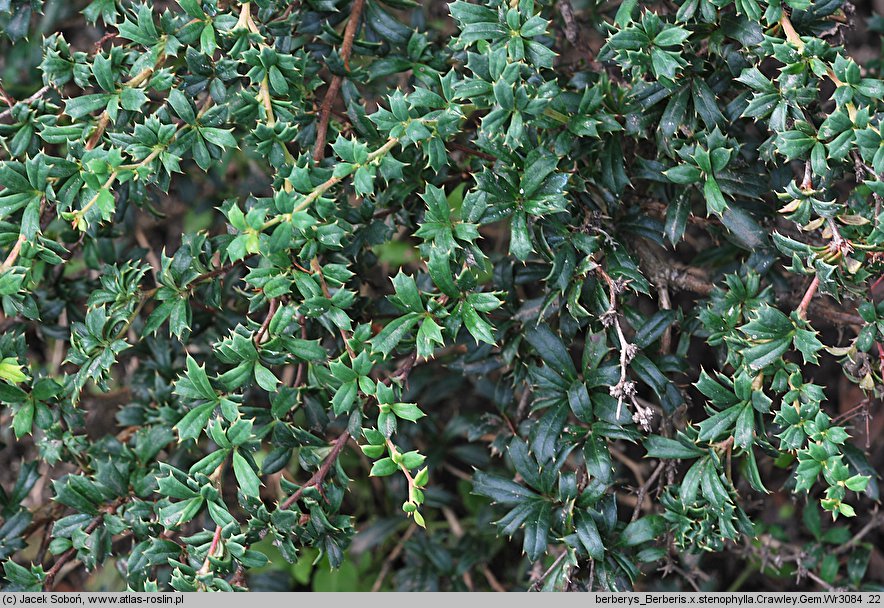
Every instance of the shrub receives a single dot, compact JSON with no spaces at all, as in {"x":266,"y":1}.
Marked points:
{"x":526,"y":294}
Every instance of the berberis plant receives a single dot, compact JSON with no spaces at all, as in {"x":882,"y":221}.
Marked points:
{"x":495,"y":294}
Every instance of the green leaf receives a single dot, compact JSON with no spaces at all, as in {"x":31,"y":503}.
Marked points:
{"x":578,"y":400}
{"x":588,"y":534}
{"x":670,"y":449}
{"x":199,"y":381}
{"x":23,"y":420}
{"x":683,"y":174}
{"x":520,"y":237}
{"x":719,"y":424}
{"x":478,"y":327}
{"x":642,"y":530}
{"x":428,"y":334}
{"x":714,"y":199}
{"x":393,"y":333}
{"x":407,"y":295}
{"x":500,"y":490}
{"x":807,"y":342}
{"x":265,"y":378}
{"x":82,"y":106}
{"x":552,"y":350}
{"x":193,"y":423}
{"x":407,"y":411}
{"x":248,"y":481}
{"x":383,"y":468}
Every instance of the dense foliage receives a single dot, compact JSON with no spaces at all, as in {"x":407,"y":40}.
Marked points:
{"x":497,"y":294}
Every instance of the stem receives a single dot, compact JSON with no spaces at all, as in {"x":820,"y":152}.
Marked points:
{"x":92,"y":201}
{"x":321,"y":473}
{"x":146,"y":161}
{"x":70,"y":553}
{"x":113,"y":176}
{"x":808,"y":296}
{"x":216,"y":540}
{"x":264,"y":96}
{"x":13,"y":253}
{"x":549,"y":571}
{"x":335,"y":85}
{"x":643,"y":490}
{"x":7,"y":98}
{"x":345,"y":336}
{"x":8,"y":112}
{"x":393,"y":451}
{"x":244,"y":17}
{"x":140,"y":77}
{"x":625,"y":357}
{"x":325,"y":186}
{"x":133,"y":316}
{"x":263,"y":329}
{"x":99,"y":131}
{"x":807,"y":182}
{"x":789,"y":30}
{"x":795,"y":39}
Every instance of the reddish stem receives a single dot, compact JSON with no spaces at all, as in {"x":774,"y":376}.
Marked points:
{"x":808,"y":296}
{"x":271,"y":310}
{"x":321,"y":473}
{"x":334,"y":86}
{"x":212,"y":548}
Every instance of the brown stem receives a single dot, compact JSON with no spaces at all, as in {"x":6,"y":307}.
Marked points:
{"x":335,"y":85}
{"x":302,"y":367}
{"x":7,"y":113}
{"x":212,"y":548}
{"x":70,"y":553}
{"x":876,"y":521}
{"x":271,"y":310}
{"x":471,"y":151}
{"x":808,"y":296}
{"x":99,"y":131}
{"x":345,"y":336}
{"x":13,"y":253}
{"x":7,"y":98}
{"x":100,"y":42}
{"x":392,"y":557}
{"x":807,"y":182}
{"x":643,"y":490}
{"x":321,"y":473}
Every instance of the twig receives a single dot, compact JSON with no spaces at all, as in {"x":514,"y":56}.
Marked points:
{"x":100,"y":42}
{"x":322,"y":188}
{"x":99,"y":131}
{"x":68,"y":555}
{"x":345,"y":335}
{"x":640,"y":495}
{"x":8,"y":112}
{"x":876,"y":521}
{"x":536,"y":585}
{"x":335,"y":85}
{"x":321,"y":473}
{"x":302,"y":367}
{"x":7,"y":98}
{"x":807,"y":182}
{"x":394,"y":554}
{"x":271,"y":310}
{"x":808,"y":296}
{"x":624,"y":388}
{"x":13,"y":253}
{"x":809,"y":574}
{"x":492,"y":580}
{"x":471,"y":151}
{"x":216,"y":539}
